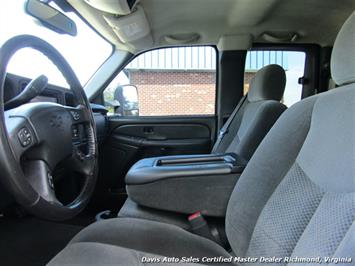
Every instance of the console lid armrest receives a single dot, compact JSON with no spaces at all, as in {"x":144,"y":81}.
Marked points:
{"x":186,"y":183}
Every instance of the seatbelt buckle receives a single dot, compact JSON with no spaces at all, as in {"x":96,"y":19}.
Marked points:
{"x":199,"y":225}
{"x":196,"y":217}
{"x":198,"y":222}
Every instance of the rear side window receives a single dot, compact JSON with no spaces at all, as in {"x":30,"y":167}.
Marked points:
{"x":166,"y":82}
{"x":292,"y":61}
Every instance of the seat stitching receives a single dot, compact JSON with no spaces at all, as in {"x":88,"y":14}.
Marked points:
{"x":274,"y":240}
{"x":309,"y":221}
{"x":262,"y":229}
{"x":335,"y":251}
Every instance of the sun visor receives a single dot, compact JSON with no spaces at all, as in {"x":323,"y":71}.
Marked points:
{"x":117,"y":7}
{"x":235,"y":42}
{"x":130,"y":28}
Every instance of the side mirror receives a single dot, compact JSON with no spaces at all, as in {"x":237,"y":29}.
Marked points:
{"x":127,"y":96}
{"x":50,"y":17}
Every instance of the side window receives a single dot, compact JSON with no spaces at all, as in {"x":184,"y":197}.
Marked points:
{"x":292,"y":61}
{"x":166,"y":82}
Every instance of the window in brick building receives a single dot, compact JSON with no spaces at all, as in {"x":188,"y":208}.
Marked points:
{"x":292,"y":61}
{"x":167,"y":82}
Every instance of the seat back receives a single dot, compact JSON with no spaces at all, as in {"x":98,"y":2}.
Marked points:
{"x":296,"y":197}
{"x":249,"y":124}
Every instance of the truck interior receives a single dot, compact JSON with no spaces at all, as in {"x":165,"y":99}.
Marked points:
{"x":189,"y":132}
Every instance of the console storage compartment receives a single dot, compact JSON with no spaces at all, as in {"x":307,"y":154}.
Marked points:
{"x":186,"y":183}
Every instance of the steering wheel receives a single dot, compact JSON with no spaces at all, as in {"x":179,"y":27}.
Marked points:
{"x":36,"y":137}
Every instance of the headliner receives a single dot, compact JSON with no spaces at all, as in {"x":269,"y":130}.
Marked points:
{"x":316,"y":21}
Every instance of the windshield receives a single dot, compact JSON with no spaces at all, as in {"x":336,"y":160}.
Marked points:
{"x":84,"y":52}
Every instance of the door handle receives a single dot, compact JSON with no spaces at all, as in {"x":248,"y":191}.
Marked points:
{"x":148,"y":130}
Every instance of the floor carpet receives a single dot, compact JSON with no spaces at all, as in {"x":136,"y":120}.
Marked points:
{"x":32,"y":242}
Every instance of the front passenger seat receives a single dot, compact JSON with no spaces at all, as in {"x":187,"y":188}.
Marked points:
{"x":255,"y":114}
{"x":295,"y":199}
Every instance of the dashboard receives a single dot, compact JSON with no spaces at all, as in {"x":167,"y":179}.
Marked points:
{"x":15,"y":84}
{"x":44,"y":99}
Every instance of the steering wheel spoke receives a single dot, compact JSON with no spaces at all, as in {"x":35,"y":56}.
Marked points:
{"x":79,"y":114}
{"x":84,"y":154}
{"x":22,"y":135}
{"x":39,"y":176}
{"x":82,"y":163}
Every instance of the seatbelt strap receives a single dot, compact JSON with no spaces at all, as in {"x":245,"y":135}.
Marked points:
{"x":224,"y":130}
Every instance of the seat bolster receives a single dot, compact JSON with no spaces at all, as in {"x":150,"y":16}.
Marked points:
{"x":149,"y":237}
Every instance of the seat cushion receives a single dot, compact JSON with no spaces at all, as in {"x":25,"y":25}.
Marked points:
{"x":118,"y":237}
{"x":89,"y":253}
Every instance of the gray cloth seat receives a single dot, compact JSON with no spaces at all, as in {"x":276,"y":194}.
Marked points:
{"x":254,"y":116}
{"x":296,"y":198}
{"x":147,"y":237}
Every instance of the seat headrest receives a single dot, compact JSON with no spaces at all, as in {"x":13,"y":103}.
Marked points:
{"x":268,"y":84}
{"x":343,"y":56}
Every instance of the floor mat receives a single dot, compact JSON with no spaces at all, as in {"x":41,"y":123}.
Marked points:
{"x":32,"y":242}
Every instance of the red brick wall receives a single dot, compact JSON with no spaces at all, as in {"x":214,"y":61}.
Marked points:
{"x":247,"y":78}
{"x":164,"y":92}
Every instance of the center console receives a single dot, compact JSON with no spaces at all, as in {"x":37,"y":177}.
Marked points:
{"x":186,"y":183}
